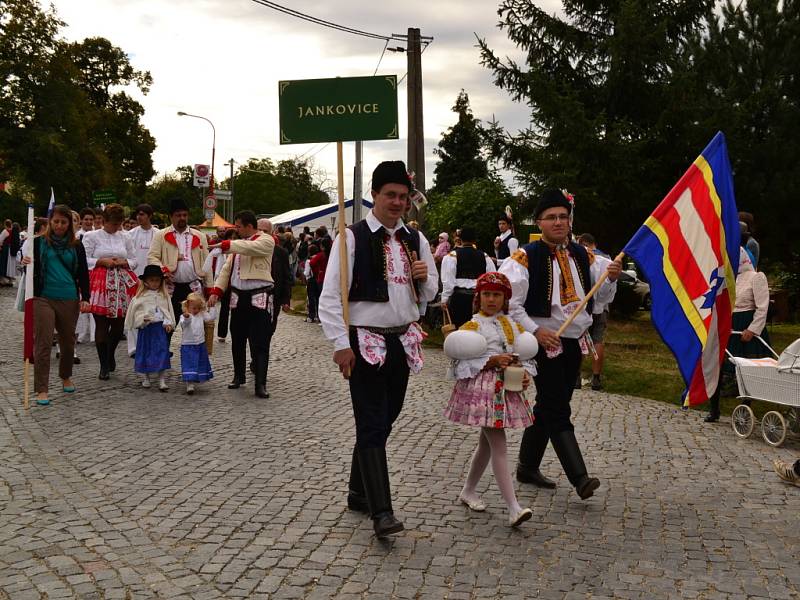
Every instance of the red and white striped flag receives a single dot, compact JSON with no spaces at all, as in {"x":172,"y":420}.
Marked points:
{"x":27,"y":344}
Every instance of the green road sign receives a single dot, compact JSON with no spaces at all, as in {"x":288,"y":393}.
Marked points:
{"x":104,"y":197}
{"x":338,"y":110}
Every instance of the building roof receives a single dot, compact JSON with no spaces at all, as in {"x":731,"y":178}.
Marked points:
{"x":300,"y":216}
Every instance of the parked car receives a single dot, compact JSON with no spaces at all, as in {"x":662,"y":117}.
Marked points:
{"x":632,"y":293}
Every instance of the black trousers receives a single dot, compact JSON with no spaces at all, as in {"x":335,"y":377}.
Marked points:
{"x":224,"y":314}
{"x":378,"y":392}
{"x":555,"y":382}
{"x":179,"y":294}
{"x":460,"y":306}
{"x":249,"y":325}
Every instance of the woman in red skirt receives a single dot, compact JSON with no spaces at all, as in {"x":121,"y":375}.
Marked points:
{"x":112,"y":283}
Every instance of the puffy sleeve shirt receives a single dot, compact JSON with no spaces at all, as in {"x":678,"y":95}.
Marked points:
{"x":101,"y":244}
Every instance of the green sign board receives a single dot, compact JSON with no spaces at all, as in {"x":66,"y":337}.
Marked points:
{"x":104,"y":197}
{"x":338,"y":110}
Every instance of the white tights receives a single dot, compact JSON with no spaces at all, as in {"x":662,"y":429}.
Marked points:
{"x":491,"y":445}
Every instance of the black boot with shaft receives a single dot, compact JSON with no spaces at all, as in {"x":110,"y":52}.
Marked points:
{"x":102,"y":355}
{"x":356,"y":499}
{"x":260,"y":376}
{"x":375,"y":473}
{"x":531,"y":451}
{"x":569,"y":453}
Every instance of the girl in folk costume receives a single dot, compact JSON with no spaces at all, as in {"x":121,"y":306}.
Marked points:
{"x":150,"y":314}
{"x":195,"y":366}
{"x":482,"y":350}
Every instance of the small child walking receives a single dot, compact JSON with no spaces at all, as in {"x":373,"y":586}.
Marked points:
{"x":195,"y":365}
{"x":150,"y":315}
{"x":481,"y":351}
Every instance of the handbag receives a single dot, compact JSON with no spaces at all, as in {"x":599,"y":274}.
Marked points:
{"x":448,"y":326}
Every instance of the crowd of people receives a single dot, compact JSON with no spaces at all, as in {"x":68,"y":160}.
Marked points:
{"x":520,"y":316}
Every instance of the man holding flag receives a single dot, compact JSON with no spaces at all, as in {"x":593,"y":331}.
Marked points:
{"x":549,"y":279}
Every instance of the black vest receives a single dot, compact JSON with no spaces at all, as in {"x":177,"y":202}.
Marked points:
{"x":470,"y":263}
{"x":502,"y":250}
{"x":369,"y":265}
{"x":540,"y":276}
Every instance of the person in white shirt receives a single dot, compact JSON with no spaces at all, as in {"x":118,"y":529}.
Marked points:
{"x":505,"y":244}
{"x":549,"y":278}
{"x":142,"y":236}
{"x":390,"y":271}
{"x":85,"y":328}
{"x":599,"y":314}
{"x":460,"y":270}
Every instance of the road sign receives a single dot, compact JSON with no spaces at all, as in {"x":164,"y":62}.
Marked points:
{"x":202,"y":175}
{"x":338,"y":109}
{"x":222,"y":195}
{"x":211,"y":202}
{"x":104,"y":197}
{"x":209,"y":214}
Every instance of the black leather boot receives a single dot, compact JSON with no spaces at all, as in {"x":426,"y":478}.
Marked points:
{"x":260,"y":364}
{"x":531,"y":451}
{"x":356,"y":499}
{"x":102,"y":355}
{"x":375,"y":473}
{"x":113,"y":342}
{"x":569,"y":453}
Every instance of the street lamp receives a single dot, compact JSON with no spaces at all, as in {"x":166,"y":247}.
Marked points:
{"x":213,"y":142}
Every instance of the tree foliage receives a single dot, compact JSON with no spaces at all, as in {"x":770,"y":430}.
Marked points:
{"x":623,"y":95}
{"x":65,"y":119}
{"x":459,"y":151}
{"x":475,"y":203}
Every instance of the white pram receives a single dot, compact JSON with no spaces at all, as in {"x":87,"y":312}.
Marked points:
{"x":775,"y":380}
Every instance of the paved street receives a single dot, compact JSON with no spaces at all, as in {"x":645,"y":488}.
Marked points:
{"x":120,"y":492}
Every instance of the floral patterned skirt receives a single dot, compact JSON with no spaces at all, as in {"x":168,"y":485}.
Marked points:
{"x":111,"y":291}
{"x":481,"y":402}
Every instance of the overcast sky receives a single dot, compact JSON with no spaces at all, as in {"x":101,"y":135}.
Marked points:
{"x":223,"y":58}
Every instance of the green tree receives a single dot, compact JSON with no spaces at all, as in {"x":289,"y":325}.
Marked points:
{"x":598,"y":83}
{"x":475,"y":204}
{"x":65,"y":120}
{"x":459,"y":150}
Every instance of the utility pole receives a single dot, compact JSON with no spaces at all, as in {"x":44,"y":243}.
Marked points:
{"x":416,"y":137}
{"x":230,"y":202}
{"x":358,"y":184}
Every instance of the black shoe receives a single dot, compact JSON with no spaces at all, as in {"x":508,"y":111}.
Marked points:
{"x":357,"y":503}
{"x":597,"y":385}
{"x":102,"y":356}
{"x":76,"y":360}
{"x":385,"y":524}
{"x":259,"y":365}
{"x":587,"y":487}
{"x":711,"y":418}
{"x":261,"y":391}
{"x":536,"y":478}
{"x":236,"y":383}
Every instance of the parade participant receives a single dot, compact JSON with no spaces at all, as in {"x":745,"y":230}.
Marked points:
{"x":313,"y":290}
{"x":60,"y":292}
{"x":110,"y":255}
{"x":150,"y":316}
{"x":749,"y":242}
{"x":599,"y":315}
{"x":505,"y":244}
{"x":247,"y":272}
{"x":442,"y":248}
{"x":282,"y":292}
{"x":460,"y":270}
{"x":479,"y":397}
{"x":750,"y":317}
{"x":99,"y":220}
{"x":87,"y":222}
{"x":181,"y":251}
{"x":142,"y":235}
{"x":549,"y":278}
{"x":6,"y":241}
{"x":195,"y":365}
{"x":390,"y":269}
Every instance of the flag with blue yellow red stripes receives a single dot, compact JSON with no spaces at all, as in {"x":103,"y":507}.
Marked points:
{"x":689,"y":251}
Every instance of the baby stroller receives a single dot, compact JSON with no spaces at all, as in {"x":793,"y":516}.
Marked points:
{"x":775,"y":380}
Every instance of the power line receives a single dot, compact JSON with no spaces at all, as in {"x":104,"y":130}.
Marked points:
{"x":323,"y":22}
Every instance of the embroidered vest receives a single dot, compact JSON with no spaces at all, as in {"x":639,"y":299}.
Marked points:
{"x":470,"y":263}
{"x":370,"y":282}
{"x":540,"y":276}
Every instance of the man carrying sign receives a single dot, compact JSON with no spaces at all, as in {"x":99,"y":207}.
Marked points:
{"x":390,"y":269}
{"x":549,"y":279}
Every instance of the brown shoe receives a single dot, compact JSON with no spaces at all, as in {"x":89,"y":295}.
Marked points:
{"x":786,"y":472}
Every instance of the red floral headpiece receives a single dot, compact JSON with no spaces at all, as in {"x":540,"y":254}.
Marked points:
{"x":492,"y":281}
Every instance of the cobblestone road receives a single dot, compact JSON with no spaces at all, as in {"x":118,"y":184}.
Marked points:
{"x":120,"y":492}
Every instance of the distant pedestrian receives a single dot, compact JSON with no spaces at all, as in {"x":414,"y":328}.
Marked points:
{"x":505,"y":244}
{"x":150,"y":316}
{"x":460,"y":271}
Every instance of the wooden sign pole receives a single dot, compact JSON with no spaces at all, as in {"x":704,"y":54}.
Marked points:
{"x":343,"y":266}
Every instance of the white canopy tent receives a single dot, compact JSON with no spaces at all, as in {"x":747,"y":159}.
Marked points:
{"x":314,"y":216}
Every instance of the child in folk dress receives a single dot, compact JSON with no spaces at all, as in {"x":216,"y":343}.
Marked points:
{"x":195,"y":365}
{"x":150,"y":315}
{"x":482,"y":350}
